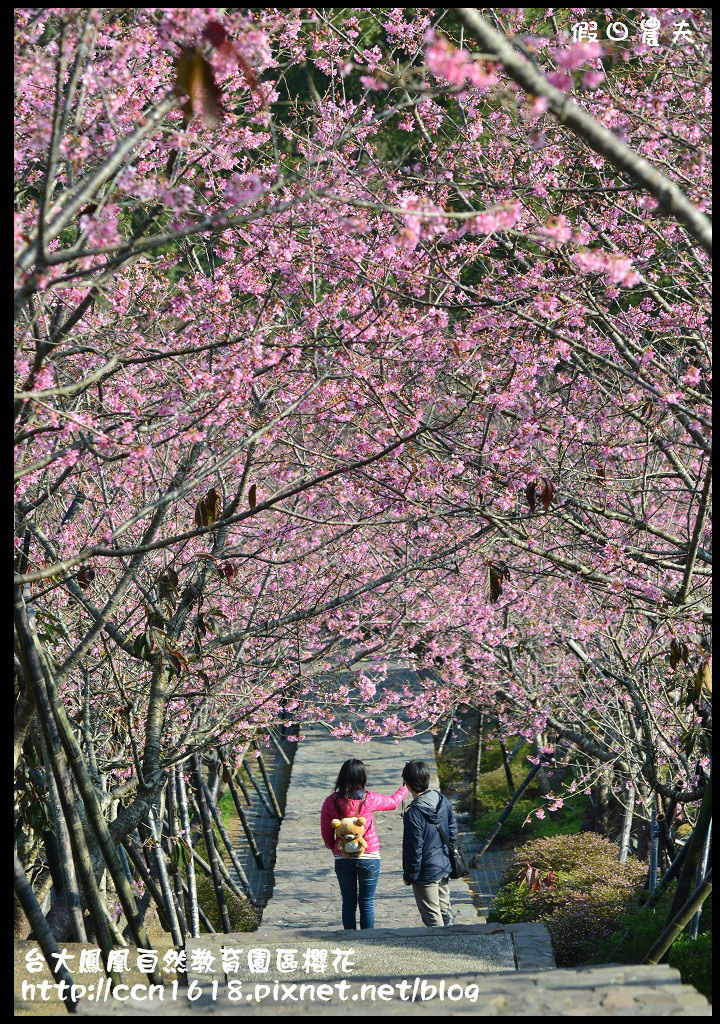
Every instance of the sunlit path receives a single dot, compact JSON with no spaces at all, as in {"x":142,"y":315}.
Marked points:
{"x":306,"y":890}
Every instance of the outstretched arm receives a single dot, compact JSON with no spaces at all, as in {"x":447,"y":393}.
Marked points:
{"x":379,"y":802}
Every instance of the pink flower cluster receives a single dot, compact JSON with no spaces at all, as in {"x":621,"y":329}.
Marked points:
{"x":619,"y":269}
{"x":456,"y":66}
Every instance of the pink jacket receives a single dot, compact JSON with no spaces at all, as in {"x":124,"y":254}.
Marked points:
{"x":348,"y":808}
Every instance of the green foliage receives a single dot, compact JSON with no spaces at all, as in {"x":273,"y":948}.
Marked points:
{"x":639,"y":927}
{"x":693,"y":958}
{"x":492,"y":795}
{"x":634,"y":933}
{"x":592,"y":891}
{"x":243,"y":917}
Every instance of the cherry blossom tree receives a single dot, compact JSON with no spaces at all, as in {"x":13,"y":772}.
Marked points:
{"x":348,"y":337}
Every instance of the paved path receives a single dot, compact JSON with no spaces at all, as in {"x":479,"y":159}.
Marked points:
{"x":306,"y":892}
{"x":615,"y":991}
{"x":485,"y":879}
{"x":263,"y":822}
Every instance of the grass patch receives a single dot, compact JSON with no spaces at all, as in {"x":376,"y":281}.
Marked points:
{"x":456,"y":764}
{"x":693,"y":958}
{"x":243,"y":917}
{"x":640,"y":927}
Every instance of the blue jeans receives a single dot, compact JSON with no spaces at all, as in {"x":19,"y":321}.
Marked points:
{"x":358,"y":878}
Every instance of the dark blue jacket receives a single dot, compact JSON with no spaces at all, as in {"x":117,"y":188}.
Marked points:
{"x":425,"y":858}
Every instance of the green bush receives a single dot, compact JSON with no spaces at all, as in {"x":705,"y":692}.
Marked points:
{"x":693,"y":958}
{"x":638,"y":929}
{"x":589,"y":855}
{"x":634,"y":933}
{"x":592,"y":891}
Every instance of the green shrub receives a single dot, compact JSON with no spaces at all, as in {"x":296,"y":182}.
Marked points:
{"x":693,"y":958}
{"x":592,"y":891}
{"x":591,"y":856}
{"x":636,"y":931}
{"x":512,"y":904}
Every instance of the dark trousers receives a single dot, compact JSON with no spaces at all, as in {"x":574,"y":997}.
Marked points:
{"x":358,"y":878}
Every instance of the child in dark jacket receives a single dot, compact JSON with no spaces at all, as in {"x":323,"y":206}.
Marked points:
{"x":426,"y":859}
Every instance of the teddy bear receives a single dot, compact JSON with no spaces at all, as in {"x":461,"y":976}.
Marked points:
{"x":349,"y":832}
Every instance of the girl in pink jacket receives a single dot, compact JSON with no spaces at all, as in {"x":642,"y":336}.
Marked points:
{"x":358,"y":876}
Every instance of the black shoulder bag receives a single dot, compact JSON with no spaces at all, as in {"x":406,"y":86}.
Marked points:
{"x":458,"y":866}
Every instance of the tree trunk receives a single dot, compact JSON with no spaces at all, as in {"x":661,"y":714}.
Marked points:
{"x":41,"y":931}
{"x":695,"y":846}
{"x":676,"y":923}
{"x":627,"y":825}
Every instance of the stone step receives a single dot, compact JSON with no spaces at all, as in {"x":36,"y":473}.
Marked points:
{"x":604,"y":991}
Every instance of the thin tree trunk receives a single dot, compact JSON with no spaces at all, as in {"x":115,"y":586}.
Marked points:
{"x":172,"y":831}
{"x":506,"y":763}
{"x":243,"y":788}
{"x":627,"y":825}
{"x":672,"y":872}
{"x":228,"y":844}
{"x":543,"y":781}
{"x":700,"y":874}
{"x":42,"y":932}
{"x":654,"y":841}
{"x":665,"y":820}
{"x":71,"y":891}
{"x":676,"y":924}
{"x":279,"y":749}
{"x":478,"y":762}
{"x":210,"y":845}
{"x":143,"y":874}
{"x":446,"y":735}
{"x":263,"y":799}
{"x":268,"y":785}
{"x":695,"y":845}
{"x":168,"y":898}
{"x":194,"y":921}
{"x":205,"y":867}
{"x":254,"y":849}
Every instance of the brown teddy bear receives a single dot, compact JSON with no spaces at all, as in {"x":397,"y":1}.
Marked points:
{"x":349,"y":832}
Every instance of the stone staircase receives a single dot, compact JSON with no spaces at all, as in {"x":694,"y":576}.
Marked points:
{"x":467,"y":970}
{"x":300,"y":963}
